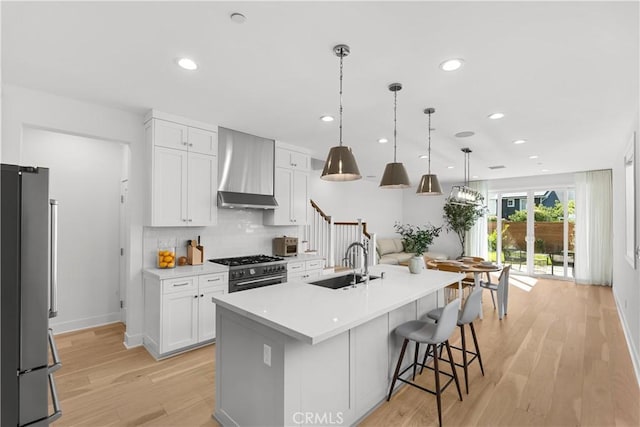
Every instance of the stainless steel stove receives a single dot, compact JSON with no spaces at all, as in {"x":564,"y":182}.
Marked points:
{"x":254,"y":271}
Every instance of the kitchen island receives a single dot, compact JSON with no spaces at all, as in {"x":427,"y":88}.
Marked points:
{"x":296,"y":353}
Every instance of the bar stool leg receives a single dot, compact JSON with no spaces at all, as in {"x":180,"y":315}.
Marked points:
{"x":453,"y":369}
{"x":415,"y":361}
{"x":395,"y":375}
{"x":464,"y":358}
{"x":424,"y":359}
{"x":475,"y":342}
{"x":437,"y":373}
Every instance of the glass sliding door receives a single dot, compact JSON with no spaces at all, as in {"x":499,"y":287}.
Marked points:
{"x":554,"y":232}
{"x":533,"y":231}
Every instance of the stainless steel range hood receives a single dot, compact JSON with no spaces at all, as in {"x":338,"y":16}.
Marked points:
{"x":245,"y":170}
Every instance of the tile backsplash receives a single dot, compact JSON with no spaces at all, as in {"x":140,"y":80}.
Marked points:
{"x":239,"y":232}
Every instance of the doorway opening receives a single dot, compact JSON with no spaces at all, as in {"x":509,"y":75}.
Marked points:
{"x":86,"y":176}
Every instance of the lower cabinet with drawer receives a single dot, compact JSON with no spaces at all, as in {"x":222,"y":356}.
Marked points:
{"x":180,"y":313}
{"x":304,"y":270}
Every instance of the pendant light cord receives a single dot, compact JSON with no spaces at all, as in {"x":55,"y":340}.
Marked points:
{"x":466,"y":168}
{"x":429,"y":150}
{"x":395,"y":107}
{"x":341,"y":56}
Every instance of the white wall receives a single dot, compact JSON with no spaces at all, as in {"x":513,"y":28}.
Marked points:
{"x":348,"y":201}
{"x":22,"y":108}
{"x":422,"y":210}
{"x":85,"y":177}
{"x":626,"y":280}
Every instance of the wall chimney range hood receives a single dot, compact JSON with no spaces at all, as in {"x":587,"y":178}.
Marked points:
{"x":245,"y":170}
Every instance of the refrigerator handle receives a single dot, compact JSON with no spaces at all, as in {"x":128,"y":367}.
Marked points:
{"x":57,"y":412}
{"x":54,"y":354}
{"x":53,"y":283}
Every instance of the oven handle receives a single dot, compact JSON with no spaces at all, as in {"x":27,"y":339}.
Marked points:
{"x":264,"y":279}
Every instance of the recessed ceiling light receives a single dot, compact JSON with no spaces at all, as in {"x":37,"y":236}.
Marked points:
{"x":465,"y":134}
{"x":519,"y":141}
{"x":475,"y":176}
{"x":451,"y":64}
{"x":533,"y":157}
{"x":383,"y":140}
{"x":424,"y":156}
{"x":496,"y":116}
{"x":327,"y":118}
{"x":449,"y":167}
{"x":545,"y":170}
{"x":238,"y":18}
{"x":187,"y":64}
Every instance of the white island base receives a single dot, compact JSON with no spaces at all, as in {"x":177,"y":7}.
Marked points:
{"x":299,"y":354}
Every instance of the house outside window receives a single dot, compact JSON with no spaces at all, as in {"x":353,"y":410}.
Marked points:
{"x":510,"y":203}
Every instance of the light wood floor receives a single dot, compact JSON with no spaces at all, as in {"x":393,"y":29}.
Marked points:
{"x":558,"y":359}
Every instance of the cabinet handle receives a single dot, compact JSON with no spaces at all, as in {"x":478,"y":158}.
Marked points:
{"x":189,"y":220}
{"x":190,"y":145}
{"x":217,"y":279}
{"x":195,"y":296}
{"x":294,"y":164}
{"x":184,"y":142}
{"x":201,"y":295}
{"x":175,"y":285}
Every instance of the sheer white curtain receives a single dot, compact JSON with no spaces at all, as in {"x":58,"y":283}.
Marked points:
{"x":476,"y":240}
{"x":594,"y":235}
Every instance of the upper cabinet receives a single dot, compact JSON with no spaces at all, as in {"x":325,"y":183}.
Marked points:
{"x":183,"y":171}
{"x":290,"y":187}
{"x":291,"y":159}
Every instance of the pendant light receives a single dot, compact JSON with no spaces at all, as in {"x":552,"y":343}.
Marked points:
{"x":463,"y":194}
{"x":395,"y":175}
{"x":429,"y":185}
{"x":341,"y":164}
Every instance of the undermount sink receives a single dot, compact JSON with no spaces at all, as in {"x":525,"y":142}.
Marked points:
{"x":341,"y":281}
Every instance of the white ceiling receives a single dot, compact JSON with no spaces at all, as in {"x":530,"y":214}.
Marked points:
{"x":564,"y":73}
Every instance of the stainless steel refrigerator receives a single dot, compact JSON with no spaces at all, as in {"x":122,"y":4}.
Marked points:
{"x":28,"y":231}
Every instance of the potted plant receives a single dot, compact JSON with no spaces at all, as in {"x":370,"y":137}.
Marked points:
{"x":417,"y":240}
{"x":460,"y":218}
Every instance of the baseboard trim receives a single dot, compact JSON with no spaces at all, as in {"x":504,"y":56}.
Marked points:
{"x":132,"y":341}
{"x":635,"y":360}
{"x":87,"y":322}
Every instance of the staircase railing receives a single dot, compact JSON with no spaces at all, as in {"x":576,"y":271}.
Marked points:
{"x":331,"y":239}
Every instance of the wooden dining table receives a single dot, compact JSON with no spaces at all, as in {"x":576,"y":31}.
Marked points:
{"x":467,"y":266}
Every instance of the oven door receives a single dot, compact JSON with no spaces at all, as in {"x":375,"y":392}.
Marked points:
{"x":243,"y":285}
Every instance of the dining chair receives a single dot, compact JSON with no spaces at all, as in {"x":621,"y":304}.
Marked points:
{"x":452,"y":289}
{"x":501,"y":289}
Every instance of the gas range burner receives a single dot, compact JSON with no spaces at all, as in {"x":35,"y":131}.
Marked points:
{"x":246,"y":260}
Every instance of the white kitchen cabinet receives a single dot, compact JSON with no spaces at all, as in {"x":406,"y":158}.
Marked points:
{"x":304,"y":270}
{"x":182,"y":137}
{"x":290,"y":191}
{"x":179,"y":321}
{"x":290,"y":187}
{"x":180,"y":312}
{"x":183,"y":173}
{"x":291,"y":159}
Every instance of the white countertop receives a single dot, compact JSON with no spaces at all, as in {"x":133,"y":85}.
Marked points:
{"x":313,"y":314}
{"x":186,"y":270}
{"x":303,"y":257}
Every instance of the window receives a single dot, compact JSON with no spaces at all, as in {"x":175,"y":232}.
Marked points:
{"x":511,"y":203}
{"x":523,"y":204}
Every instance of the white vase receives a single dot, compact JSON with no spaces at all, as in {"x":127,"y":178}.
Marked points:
{"x":416,"y":264}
